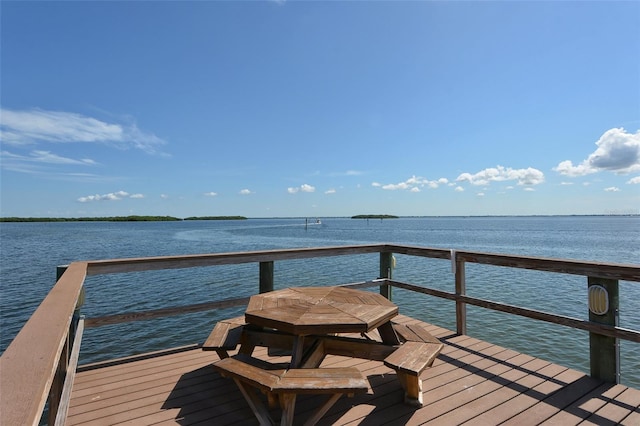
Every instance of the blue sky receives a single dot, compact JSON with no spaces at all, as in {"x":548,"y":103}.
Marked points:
{"x":308,"y":109}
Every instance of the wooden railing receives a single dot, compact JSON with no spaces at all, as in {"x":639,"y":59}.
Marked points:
{"x":40,"y":362}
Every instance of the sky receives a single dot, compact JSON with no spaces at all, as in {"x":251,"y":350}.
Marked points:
{"x":319,"y":109}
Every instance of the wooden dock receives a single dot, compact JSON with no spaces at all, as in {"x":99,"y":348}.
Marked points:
{"x":471,"y":382}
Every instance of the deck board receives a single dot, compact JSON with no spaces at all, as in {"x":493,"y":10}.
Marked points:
{"x":471,"y":382}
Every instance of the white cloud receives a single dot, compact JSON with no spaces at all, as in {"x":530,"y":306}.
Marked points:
{"x":612,"y":189}
{"x":330,"y":191}
{"x":245,"y":192}
{"x":528,"y":176}
{"x":635,"y":180}
{"x":304,"y":188}
{"x":617,"y":151}
{"x":210,"y":194}
{"x":413,"y":184}
{"x":39,"y":126}
{"x":48,"y":157}
{"x":395,"y":186}
{"x":567,"y":168}
{"x":11,"y":160}
{"x":164,"y":196}
{"x":459,"y":189}
{"x":112,"y":196}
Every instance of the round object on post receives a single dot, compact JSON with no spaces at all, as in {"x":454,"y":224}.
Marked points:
{"x":598,"y":300}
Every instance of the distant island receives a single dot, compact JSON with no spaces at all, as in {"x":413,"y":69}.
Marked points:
{"x":116,"y":219}
{"x":374,"y":216}
{"x":216,"y":218}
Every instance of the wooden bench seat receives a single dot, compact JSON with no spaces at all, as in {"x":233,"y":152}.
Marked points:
{"x":409,"y":361}
{"x":413,"y":333}
{"x":285,"y":384}
{"x":225,"y":336}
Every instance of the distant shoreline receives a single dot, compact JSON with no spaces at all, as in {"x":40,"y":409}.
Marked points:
{"x":374,"y":216}
{"x":176,"y":219}
{"x":117,"y":219}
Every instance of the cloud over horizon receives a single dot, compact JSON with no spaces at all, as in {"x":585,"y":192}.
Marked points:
{"x":617,"y":151}
{"x":112,"y":196}
{"x":302,"y":188}
{"x":528,"y":176}
{"x":413,"y":184}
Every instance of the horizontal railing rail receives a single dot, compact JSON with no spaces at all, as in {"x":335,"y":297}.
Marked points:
{"x":202,"y":260}
{"x":34,"y":365}
{"x":612,"y":331}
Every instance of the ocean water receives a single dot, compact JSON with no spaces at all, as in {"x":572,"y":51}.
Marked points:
{"x":30,"y":252}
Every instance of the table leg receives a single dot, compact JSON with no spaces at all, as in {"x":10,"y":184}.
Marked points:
{"x":296,"y":354}
{"x":388,"y":334}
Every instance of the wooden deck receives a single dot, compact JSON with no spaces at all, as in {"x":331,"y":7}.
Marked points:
{"x":471,"y":381}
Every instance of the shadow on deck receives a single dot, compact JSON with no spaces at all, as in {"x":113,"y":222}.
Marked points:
{"x":471,"y":381}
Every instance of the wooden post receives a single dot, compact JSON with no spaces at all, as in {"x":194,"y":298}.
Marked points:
{"x":461,"y":290}
{"x":60,"y":270}
{"x":386,"y":271}
{"x":55,"y":392}
{"x":605,"y":350}
{"x":266,"y":277}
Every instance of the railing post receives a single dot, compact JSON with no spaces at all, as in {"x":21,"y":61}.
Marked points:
{"x":604,"y":350}
{"x":76,"y":313}
{"x":61,"y":371}
{"x":461,"y":290}
{"x":386,"y":271}
{"x":266,"y":277}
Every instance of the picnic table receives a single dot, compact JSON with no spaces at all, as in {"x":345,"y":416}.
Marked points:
{"x":322,"y":311}
{"x":310,"y":323}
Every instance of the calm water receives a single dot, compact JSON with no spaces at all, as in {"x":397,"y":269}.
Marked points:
{"x":30,"y":253}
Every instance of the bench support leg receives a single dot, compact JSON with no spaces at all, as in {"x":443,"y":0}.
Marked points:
{"x":256,"y":405}
{"x":388,"y":334}
{"x":412,"y":386}
{"x":321,"y":411}
{"x":314,"y":356}
{"x":288,"y":404}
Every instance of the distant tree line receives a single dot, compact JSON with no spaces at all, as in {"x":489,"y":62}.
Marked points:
{"x":374,"y":216}
{"x":116,"y":219}
{"x":91,"y":219}
{"x":216,"y":218}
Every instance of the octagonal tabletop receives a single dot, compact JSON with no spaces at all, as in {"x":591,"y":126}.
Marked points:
{"x":320,"y":310}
